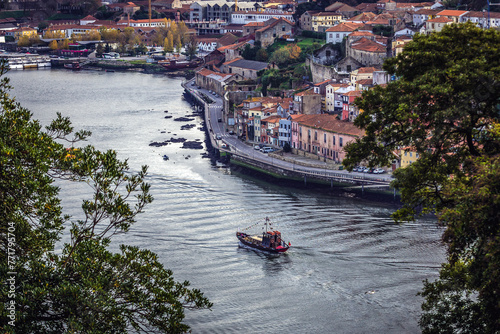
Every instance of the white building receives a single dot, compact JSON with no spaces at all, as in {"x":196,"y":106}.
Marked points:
{"x":244,"y":17}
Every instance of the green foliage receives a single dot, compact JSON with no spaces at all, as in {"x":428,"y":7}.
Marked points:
{"x":445,"y":107}
{"x":304,"y":7}
{"x":249,"y":52}
{"x":79,"y":286}
{"x":15,"y":14}
{"x":382,"y":30}
{"x":314,"y":34}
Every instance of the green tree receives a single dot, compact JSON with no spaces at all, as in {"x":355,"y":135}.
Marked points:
{"x":261,"y":55}
{"x":79,"y":286}
{"x":191,"y":46}
{"x":445,"y":106}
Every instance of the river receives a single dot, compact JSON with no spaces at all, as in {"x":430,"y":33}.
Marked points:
{"x":350,"y":268}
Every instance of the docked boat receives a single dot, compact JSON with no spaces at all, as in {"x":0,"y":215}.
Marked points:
{"x":270,"y":241}
{"x":15,"y":63}
{"x":174,"y":64}
{"x":75,"y":66}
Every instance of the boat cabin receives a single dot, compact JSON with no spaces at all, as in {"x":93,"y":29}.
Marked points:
{"x":271,"y":239}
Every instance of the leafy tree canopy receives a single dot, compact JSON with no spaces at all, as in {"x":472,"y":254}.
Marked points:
{"x":79,"y":286}
{"x":445,"y":106}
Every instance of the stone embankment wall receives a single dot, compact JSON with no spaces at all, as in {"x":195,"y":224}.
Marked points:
{"x":321,"y":72}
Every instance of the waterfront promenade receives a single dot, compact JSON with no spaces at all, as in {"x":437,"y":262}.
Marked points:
{"x":278,"y":164}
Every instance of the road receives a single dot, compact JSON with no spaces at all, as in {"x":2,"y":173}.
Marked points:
{"x":231,"y":143}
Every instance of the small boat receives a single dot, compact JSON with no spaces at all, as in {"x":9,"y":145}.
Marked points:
{"x":75,"y":66}
{"x":269,"y":241}
{"x":174,"y":64}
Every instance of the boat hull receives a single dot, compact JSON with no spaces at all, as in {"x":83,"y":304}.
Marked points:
{"x":245,"y":241}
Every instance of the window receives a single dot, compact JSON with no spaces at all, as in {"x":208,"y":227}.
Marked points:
{"x":283,"y":28}
{"x":324,"y":137}
{"x":340,"y":141}
{"x":315,"y":135}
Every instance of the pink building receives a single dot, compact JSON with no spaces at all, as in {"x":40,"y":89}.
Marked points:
{"x":322,"y":136}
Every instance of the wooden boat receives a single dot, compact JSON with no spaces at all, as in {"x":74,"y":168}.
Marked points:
{"x":270,"y":241}
{"x":75,"y":66}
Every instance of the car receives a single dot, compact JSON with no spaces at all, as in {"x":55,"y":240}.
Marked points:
{"x":357,"y":169}
{"x":256,"y":147}
{"x":199,"y":87}
{"x":218,"y":137}
{"x":231,"y":132}
{"x":378,"y":171}
{"x":366,"y":170}
{"x":192,"y":84}
{"x":219,"y":120}
{"x":266,"y":149}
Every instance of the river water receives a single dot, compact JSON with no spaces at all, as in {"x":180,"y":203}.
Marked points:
{"x":350,"y":268}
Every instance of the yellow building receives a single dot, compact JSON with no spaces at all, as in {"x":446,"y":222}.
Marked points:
{"x":408,"y":157}
{"x":24,"y":31}
{"x":324,"y":20}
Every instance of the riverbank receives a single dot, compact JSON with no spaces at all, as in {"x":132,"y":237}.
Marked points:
{"x":131,"y":64}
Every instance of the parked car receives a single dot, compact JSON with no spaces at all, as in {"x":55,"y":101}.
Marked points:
{"x":266,"y":149}
{"x":218,"y":137}
{"x":219,"y":120}
{"x":366,"y":169}
{"x":378,"y":171}
{"x":231,"y":132}
{"x":256,"y":147}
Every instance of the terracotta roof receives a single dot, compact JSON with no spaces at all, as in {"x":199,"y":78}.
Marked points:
{"x":368,"y":45}
{"x":362,"y":17}
{"x":361,"y":33}
{"x":450,"y":12}
{"x":440,"y":19}
{"x":353,"y":93}
{"x":254,"y":24}
{"x":345,"y":27}
{"x":88,"y":18}
{"x":367,"y":7}
{"x":367,"y":69}
{"x":425,"y":11}
{"x":227,"y":39}
{"x":232,"y":46}
{"x":365,"y":82}
{"x":214,"y":75}
{"x":307,"y":92}
{"x":322,"y":82}
{"x":328,"y":123}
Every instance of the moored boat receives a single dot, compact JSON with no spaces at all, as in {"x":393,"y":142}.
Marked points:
{"x":75,"y":66}
{"x":270,"y":241}
{"x":174,"y":64}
